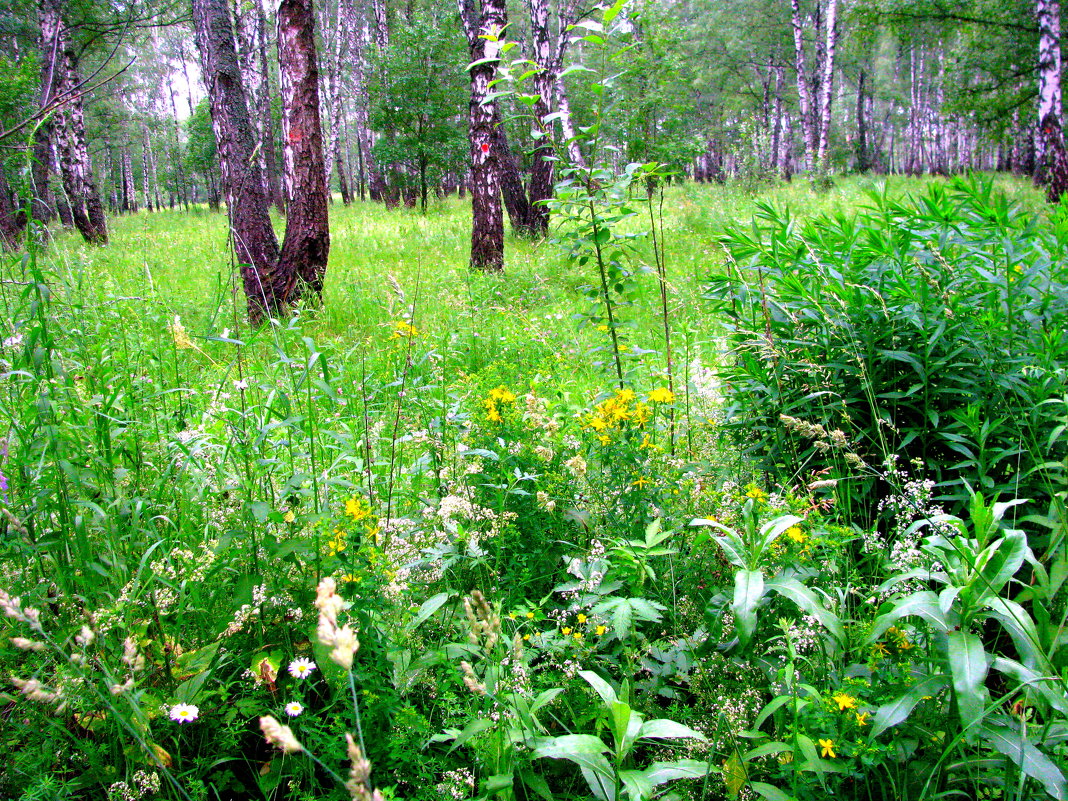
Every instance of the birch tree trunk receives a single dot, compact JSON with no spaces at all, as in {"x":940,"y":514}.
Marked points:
{"x":487,"y":217}
{"x":75,"y":164}
{"x":51,"y":51}
{"x":307,"y":241}
{"x":541,"y":171}
{"x":520,"y":212}
{"x":826,"y":85}
{"x":1051,"y":161}
{"x":808,"y":128}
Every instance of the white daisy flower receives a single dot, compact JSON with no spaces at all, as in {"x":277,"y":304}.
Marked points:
{"x":183,"y":713}
{"x":301,"y":668}
{"x":294,"y":708}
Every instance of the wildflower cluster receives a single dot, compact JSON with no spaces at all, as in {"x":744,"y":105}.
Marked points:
{"x":495,"y":401}
{"x":615,"y":412}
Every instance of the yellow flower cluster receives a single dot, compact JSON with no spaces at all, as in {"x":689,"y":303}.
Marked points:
{"x":403,"y":330}
{"x":661,"y":395}
{"x":614,"y":412}
{"x":493,"y":402}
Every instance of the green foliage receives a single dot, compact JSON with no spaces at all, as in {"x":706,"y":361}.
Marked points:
{"x":508,"y":537}
{"x":930,"y":329}
{"x":419,"y":95}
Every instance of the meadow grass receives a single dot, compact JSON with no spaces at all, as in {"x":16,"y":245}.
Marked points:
{"x":181,"y":494}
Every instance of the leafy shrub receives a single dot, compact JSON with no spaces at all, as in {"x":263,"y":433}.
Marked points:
{"x":934,"y":328}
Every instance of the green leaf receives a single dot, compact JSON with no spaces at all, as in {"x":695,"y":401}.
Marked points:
{"x":662,"y":729}
{"x":637,"y":784}
{"x":770,"y":792}
{"x":1000,"y":562}
{"x":495,"y":784}
{"x":613,"y":12}
{"x":429,"y":607}
{"x":537,"y":784}
{"x":921,"y":604}
{"x":968,"y":665}
{"x":602,"y":687}
{"x":470,"y":730}
{"x":807,"y":600}
{"x":661,"y":772}
{"x":898,"y":710}
{"x":1028,"y":758}
{"x":748,"y":590}
{"x":734,"y":775}
{"x":567,"y":745}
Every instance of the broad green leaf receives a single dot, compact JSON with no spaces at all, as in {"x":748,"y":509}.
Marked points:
{"x":1051,"y":688}
{"x":429,"y":607}
{"x":470,"y":730}
{"x":773,"y":529}
{"x":626,"y":725}
{"x":921,"y":604}
{"x":900,"y":708}
{"x":807,"y":600}
{"x":495,"y":784}
{"x":776,"y":747}
{"x":613,"y":12}
{"x":602,"y":687}
{"x":637,"y":784}
{"x":537,"y":784}
{"x":1028,"y":758}
{"x":1000,"y":562}
{"x":661,"y":772}
{"x":748,"y":590}
{"x":662,"y":729}
{"x":968,"y":665}
{"x":770,"y":792}
{"x":567,"y":745}
{"x":734,"y":775}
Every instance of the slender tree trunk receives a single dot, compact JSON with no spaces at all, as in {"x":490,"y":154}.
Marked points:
{"x":487,"y":217}
{"x":267,"y":286}
{"x":51,"y":51}
{"x":1051,"y":161}
{"x":146,"y":169}
{"x":826,"y":85}
{"x":129,"y":189}
{"x":808,"y":128}
{"x":863,"y":159}
{"x":75,"y":164}
{"x":520,"y":213}
{"x":177,"y":160}
{"x":542,"y":167}
{"x":307,"y":241}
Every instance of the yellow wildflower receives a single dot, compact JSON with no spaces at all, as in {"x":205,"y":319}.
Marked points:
{"x":530,"y":615}
{"x":879,"y":650}
{"x":827,"y":748}
{"x":796,"y":534}
{"x":402,"y":329}
{"x":661,"y":395}
{"x":577,"y":635}
{"x":502,"y":394}
{"x":756,"y":493}
{"x":604,"y":439}
{"x":862,"y":718}
{"x":642,"y":413}
{"x":625,"y":395}
{"x":289,"y":517}
{"x":640,"y":482}
{"x":600,"y":630}
{"x":566,"y":630}
{"x":355,"y":508}
{"x":844,"y":701}
{"x":581,"y":618}
{"x":597,"y":423}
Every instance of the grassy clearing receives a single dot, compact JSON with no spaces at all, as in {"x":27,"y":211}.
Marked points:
{"x":509,"y":535}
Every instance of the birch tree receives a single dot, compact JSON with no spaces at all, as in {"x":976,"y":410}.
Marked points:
{"x":483,"y":29}
{"x":273,"y":278}
{"x":1051,"y":162}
